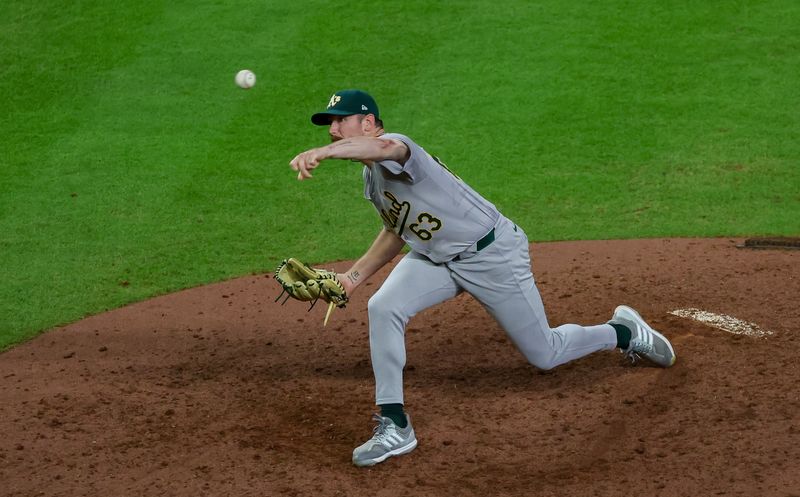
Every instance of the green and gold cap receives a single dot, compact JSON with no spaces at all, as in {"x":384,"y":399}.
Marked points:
{"x":346,"y":103}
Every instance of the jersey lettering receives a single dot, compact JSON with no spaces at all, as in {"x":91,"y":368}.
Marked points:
{"x":393,"y":215}
{"x":424,"y":227}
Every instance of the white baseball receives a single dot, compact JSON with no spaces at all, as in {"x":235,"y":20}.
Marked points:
{"x":245,"y":79}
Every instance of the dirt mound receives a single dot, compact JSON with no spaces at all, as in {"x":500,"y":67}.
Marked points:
{"x":219,"y":391}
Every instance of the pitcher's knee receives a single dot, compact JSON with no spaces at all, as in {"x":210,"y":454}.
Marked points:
{"x":542,"y":359}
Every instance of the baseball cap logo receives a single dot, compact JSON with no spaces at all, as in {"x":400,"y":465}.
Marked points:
{"x":364,"y":107}
{"x":334,"y":100}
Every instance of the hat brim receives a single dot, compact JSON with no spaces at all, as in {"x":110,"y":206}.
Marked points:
{"x":324,"y":118}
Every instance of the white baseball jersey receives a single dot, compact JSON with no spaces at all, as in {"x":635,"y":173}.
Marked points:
{"x":429,"y":207}
{"x":440,"y":218}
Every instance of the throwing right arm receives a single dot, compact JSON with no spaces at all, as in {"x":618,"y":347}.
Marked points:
{"x":366,"y":149}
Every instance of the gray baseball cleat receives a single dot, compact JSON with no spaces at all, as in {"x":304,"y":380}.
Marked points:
{"x":387,"y":440}
{"x":645,"y":341}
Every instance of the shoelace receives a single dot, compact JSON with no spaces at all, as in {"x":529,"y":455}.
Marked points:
{"x":383,"y":431}
{"x":637,"y":347}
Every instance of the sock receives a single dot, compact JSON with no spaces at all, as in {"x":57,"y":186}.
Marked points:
{"x":395,"y":413}
{"x":623,"y":336}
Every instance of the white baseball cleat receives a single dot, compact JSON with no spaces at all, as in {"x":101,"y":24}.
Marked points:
{"x":645,"y":341}
{"x":387,"y":440}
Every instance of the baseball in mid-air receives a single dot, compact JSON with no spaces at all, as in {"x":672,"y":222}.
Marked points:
{"x":245,"y":79}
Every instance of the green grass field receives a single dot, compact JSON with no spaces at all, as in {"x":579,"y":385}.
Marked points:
{"x":132,"y":166}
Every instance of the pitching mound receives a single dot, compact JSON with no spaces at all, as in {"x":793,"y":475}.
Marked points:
{"x":219,"y":391}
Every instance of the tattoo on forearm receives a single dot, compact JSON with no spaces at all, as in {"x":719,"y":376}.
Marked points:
{"x":353,"y":277}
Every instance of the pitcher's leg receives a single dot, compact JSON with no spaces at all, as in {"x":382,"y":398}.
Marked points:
{"x":500,"y":278}
{"x":414,"y":284}
{"x":522,"y":316}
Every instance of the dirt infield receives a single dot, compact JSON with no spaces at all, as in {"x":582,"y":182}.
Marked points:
{"x":218,"y":391}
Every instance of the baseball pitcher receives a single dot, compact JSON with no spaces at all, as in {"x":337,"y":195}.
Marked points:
{"x":459,"y":242}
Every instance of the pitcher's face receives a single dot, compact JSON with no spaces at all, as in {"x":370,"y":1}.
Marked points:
{"x":346,"y":126}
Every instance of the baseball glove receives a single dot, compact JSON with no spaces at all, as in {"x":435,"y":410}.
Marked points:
{"x":308,"y":284}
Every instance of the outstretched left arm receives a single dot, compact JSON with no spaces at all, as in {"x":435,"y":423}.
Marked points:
{"x":361,"y":148}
